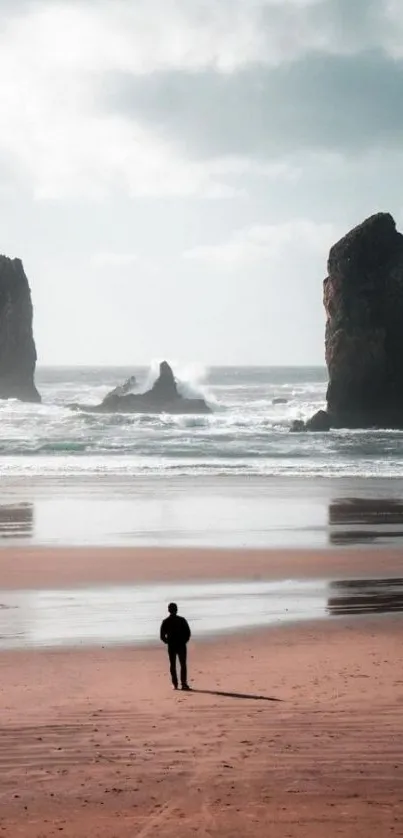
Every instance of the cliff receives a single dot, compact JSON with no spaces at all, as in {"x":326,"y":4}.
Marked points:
{"x":17,"y":346}
{"x":363,"y":298}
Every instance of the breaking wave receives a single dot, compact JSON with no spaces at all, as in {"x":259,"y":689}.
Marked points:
{"x":247,"y":433}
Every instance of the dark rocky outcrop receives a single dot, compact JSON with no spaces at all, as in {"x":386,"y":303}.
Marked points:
{"x":363,"y":298}
{"x":17,"y":346}
{"x":279,"y":400}
{"x":121,"y":390}
{"x":320,"y":421}
{"x":163,"y":397}
{"x":298,"y":426}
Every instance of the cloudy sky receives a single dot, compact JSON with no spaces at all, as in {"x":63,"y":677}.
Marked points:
{"x":173,"y":172}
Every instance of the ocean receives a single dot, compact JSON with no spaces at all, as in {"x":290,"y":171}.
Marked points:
{"x":247,"y":433}
{"x":236,"y":477}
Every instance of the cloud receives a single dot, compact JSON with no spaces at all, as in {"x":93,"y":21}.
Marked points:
{"x":182,"y":97}
{"x":285,"y":111}
{"x":263,"y":242}
{"x":347,"y":104}
{"x":106,"y":35}
{"x":337,"y":27}
{"x":53,"y":135}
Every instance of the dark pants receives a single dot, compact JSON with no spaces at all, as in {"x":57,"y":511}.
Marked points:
{"x":181,"y":653}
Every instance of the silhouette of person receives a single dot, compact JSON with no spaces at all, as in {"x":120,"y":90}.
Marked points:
{"x":175,"y":633}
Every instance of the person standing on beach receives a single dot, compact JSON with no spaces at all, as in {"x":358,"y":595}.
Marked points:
{"x":175,"y":633}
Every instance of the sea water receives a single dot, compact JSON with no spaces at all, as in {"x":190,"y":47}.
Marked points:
{"x":235,"y":477}
{"x":247,"y":433}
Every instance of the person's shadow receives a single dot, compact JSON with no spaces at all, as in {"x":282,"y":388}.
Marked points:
{"x":223,"y":694}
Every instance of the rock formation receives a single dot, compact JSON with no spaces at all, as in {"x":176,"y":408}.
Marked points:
{"x":297,"y":426}
{"x":320,"y":421}
{"x":121,"y":390}
{"x":17,"y":347}
{"x":163,"y":397}
{"x":363,"y":299}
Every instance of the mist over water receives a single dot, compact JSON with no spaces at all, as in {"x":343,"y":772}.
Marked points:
{"x":191,"y":380}
{"x":246,"y":434}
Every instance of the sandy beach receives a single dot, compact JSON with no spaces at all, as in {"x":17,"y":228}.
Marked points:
{"x":291,"y":731}
{"x":95,"y":743}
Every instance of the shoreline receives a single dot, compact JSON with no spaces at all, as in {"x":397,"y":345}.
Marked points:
{"x":88,"y":598}
{"x":45,"y":567}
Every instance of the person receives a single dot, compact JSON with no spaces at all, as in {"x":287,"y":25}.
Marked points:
{"x":175,"y":633}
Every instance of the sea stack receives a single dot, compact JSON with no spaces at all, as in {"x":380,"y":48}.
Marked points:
{"x":363,"y":298}
{"x":164,"y":397}
{"x":17,"y":346}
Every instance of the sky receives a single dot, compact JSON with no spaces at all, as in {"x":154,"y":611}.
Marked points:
{"x":173,"y":172}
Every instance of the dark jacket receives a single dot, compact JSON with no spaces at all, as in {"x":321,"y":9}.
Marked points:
{"x":175,"y":631}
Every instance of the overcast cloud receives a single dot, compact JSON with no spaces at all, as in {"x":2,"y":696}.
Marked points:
{"x":173,"y":172}
{"x":319,"y":102}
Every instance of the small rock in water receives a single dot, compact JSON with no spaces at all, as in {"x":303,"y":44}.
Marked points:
{"x":298,"y":426}
{"x":320,"y":421}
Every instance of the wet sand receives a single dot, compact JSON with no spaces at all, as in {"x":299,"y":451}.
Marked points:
{"x":296,"y":731}
{"x":122,"y":615}
{"x":196,"y":511}
{"x":293,"y":731}
{"x":46,"y":567}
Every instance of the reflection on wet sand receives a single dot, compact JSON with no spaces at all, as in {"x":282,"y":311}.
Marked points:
{"x":363,"y":520}
{"x":16,"y":520}
{"x":131,"y":614}
{"x":365,"y":596}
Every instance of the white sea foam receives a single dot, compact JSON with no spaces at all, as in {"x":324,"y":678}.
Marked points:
{"x":246,"y":434}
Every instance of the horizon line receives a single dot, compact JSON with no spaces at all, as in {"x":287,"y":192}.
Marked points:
{"x":207,"y":366}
